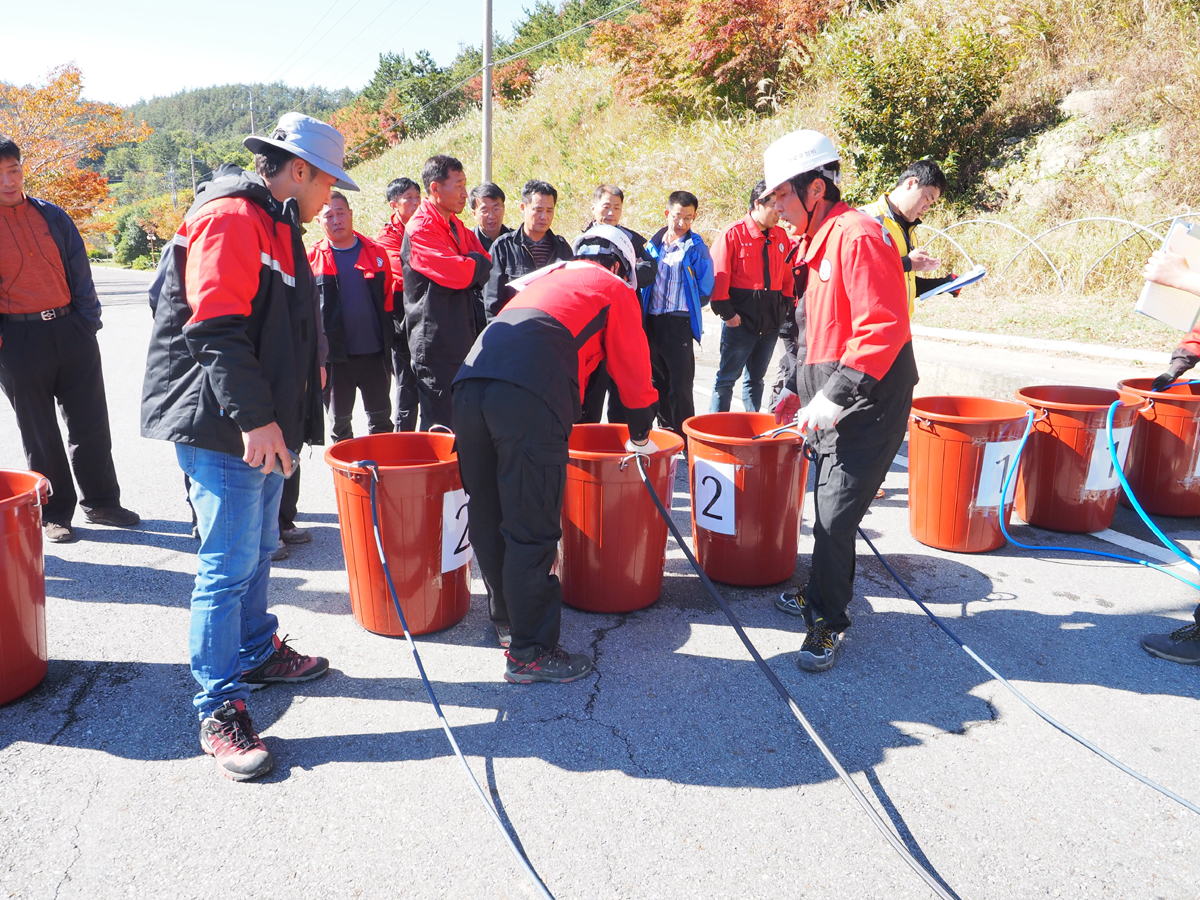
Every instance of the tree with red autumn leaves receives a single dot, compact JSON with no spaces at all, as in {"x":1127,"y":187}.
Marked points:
{"x":56,"y":129}
{"x":696,"y":56}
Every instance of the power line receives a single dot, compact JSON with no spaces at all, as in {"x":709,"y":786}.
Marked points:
{"x":442,"y":96}
{"x":332,"y":56}
{"x":330,"y":28}
{"x":332,"y":6}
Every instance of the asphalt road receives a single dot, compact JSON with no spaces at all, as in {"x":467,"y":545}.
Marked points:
{"x":674,"y":772}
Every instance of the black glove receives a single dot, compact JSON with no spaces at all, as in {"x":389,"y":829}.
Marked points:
{"x":483,"y":269}
{"x":1181,"y":361}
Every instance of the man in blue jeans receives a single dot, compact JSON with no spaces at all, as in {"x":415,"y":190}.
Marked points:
{"x":752,"y":293}
{"x":232,"y":379}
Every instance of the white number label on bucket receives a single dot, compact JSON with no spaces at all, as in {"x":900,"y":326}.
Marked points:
{"x":456,"y":538}
{"x":1102,"y":474}
{"x":997,"y":461}
{"x":714,"y":493}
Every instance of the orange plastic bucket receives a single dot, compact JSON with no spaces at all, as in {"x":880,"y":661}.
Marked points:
{"x":1163,"y":466}
{"x":23,"y":659}
{"x":959,"y":451}
{"x":614,"y":543}
{"x":1067,"y":480}
{"x":423,"y":522}
{"x":746,"y":497}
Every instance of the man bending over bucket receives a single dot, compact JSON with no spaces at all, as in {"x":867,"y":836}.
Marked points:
{"x":1171,"y":270}
{"x":515,"y":399}
{"x":853,"y":393}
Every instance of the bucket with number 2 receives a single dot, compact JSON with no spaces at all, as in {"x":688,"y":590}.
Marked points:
{"x":423,"y":524}
{"x":960,"y":451}
{"x":746,"y":497}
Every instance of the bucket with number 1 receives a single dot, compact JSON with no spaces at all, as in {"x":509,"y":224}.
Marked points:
{"x":423,"y":524}
{"x":746,"y":497}
{"x":960,"y":451}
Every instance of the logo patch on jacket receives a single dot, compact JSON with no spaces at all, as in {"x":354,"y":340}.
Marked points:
{"x":782,"y":249}
{"x":825,"y":270}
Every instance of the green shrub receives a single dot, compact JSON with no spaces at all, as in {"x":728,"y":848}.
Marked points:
{"x":143,"y":264}
{"x":914,"y":89}
{"x":131,"y":242}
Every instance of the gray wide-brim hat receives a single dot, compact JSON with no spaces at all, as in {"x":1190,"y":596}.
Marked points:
{"x":314,"y":141}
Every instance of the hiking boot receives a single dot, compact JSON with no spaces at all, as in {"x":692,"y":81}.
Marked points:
{"x":504,"y":636}
{"x":285,"y":665}
{"x":281,"y":552}
{"x":791,"y":602}
{"x":295,"y":535}
{"x":819,"y":649}
{"x":116,"y":516}
{"x":57,"y":533}
{"x":1182,"y":645}
{"x":229,"y":737}
{"x":556,"y":666}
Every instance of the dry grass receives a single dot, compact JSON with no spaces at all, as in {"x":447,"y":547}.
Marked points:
{"x":576,"y":131}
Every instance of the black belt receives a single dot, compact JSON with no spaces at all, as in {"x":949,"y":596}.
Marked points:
{"x":46,"y":315}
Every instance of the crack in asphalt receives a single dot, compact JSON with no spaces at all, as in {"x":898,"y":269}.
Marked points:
{"x":91,"y":675}
{"x":75,"y":839}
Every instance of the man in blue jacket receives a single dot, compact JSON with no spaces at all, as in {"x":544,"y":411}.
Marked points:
{"x":49,"y":316}
{"x":682,"y":286}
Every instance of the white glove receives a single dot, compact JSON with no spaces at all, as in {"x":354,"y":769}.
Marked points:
{"x":820,"y":414}
{"x":643,"y":449}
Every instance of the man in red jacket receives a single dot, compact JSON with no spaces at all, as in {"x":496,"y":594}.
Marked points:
{"x":444,"y":268}
{"x":515,"y":400}
{"x":853,"y":392}
{"x":403,"y":196}
{"x":354,"y":282}
{"x":752,"y":293}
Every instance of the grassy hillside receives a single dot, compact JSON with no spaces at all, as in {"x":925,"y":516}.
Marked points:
{"x":1098,"y":116}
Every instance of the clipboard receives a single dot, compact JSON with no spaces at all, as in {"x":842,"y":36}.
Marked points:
{"x":958,"y":283}
{"x":1171,"y":306}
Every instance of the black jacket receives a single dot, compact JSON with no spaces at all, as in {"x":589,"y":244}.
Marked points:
{"x":74,"y":259}
{"x":324,"y":267}
{"x":510,"y":260}
{"x":214,"y":373}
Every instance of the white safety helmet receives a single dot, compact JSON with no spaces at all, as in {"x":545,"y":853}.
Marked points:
{"x":602,"y":239}
{"x":799,"y":152}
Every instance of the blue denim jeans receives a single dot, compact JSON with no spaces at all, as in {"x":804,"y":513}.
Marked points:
{"x":237,"y":512}
{"x":742,"y":349}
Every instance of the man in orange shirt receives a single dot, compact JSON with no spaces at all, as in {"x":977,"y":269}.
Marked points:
{"x":49,"y":316}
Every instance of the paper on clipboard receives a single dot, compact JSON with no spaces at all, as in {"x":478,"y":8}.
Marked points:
{"x":958,"y":283}
{"x":1171,"y":306}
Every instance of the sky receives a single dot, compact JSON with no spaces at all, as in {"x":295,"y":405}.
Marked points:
{"x":133,"y":50}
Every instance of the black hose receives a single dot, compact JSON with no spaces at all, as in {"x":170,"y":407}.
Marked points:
{"x":861,"y":798}
{"x":373,"y":467}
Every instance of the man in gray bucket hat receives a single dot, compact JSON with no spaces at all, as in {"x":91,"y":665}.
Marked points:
{"x":233,"y":380}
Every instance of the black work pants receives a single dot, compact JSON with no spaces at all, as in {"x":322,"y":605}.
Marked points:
{"x":288,"y":501}
{"x":512,"y":454}
{"x":407,"y":399}
{"x":594,"y":394}
{"x":44,"y":362}
{"x":433,"y":395}
{"x":673,"y":364}
{"x":852,"y":461}
{"x":365,"y":373}
{"x":787,"y":365}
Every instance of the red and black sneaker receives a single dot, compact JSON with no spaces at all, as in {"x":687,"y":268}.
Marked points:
{"x":229,"y":737}
{"x":285,"y":665}
{"x":556,"y":666}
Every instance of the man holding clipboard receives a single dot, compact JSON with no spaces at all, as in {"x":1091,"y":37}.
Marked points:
{"x":1171,"y":270}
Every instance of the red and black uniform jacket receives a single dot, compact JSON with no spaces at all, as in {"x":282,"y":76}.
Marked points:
{"x":234,"y":343}
{"x":440,"y":292}
{"x":373,"y":263}
{"x":391,"y":239}
{"x":551,"y":336}
{"x":856,"y":324}
{"x":752,"y":276}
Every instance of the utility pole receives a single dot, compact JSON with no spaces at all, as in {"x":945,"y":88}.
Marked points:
{"x":192,"y":160}
{"x":174,"y":193}
{"x":487,"y":90}
{"x":243,"y":108}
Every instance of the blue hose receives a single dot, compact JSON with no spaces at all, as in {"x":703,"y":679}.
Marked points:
{"x":1128,"y":492}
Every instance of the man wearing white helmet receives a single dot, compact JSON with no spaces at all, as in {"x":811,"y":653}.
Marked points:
{"x":515,"y":400}
{"x":853,"y":392}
